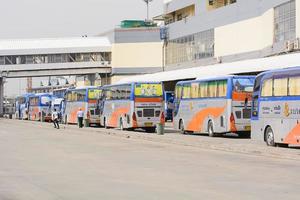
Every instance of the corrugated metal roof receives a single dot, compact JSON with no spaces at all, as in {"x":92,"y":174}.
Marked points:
{"x":54,"y":45}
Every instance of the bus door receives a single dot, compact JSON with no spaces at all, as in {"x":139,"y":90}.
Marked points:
{"x":240,"y":119}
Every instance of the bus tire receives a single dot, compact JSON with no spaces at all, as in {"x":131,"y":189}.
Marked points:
{"x":269,"y":137}
{"x":105,"y":124}
{"x":150,"y":130}
{"x":210,"y":129}
{"x":181,"y":127}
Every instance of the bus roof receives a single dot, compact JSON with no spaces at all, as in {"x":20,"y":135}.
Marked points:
{"x":83,"y":88}
{"x":140,"y":82}
{"x":215,"y":78}
{"x":281,"y":72}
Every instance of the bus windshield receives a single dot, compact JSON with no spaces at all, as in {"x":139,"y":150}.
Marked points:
{"x":148,"y":90}
{"x":243,"y":84}
{"x":94,"y":94}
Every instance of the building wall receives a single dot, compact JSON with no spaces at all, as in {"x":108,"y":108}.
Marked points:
{"x":136,"y":55}
{"x":245,"y":36}
{"x":136,"y":51}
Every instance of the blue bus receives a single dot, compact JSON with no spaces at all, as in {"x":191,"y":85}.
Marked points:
{"x":276,"y":107}
{"x":22,"y":106}
{"x":214,"y":106}
{"x":40,"y":107}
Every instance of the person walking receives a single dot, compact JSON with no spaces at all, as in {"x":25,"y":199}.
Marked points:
{"x":80,"y":115}
{"x":55,"y":119}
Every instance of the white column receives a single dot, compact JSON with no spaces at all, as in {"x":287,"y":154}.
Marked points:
{"x":298,"y":18}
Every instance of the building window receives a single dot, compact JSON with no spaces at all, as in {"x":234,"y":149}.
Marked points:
{"x":285,"y":22}
{"x":190,"y":48}
{"x":214,"y":4}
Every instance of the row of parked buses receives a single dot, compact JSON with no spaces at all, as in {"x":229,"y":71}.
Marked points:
{"x":267,"y":105}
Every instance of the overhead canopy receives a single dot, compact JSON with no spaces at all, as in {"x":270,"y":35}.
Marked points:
{"x":240,"y":67}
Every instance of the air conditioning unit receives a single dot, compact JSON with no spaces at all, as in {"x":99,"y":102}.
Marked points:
{"x":289,"y":46}
{"x":297,"y":44}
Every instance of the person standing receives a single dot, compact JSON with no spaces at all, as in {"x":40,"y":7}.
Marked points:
{"x":80,"y":115}
{"x":55,"y":119}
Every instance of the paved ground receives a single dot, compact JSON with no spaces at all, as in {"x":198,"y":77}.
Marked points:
{"x":41,"y":163}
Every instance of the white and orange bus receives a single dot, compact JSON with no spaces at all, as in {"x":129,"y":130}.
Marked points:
{"x":40,"y":107}
{"x":85,"y":98}
{"x":214,"y":106}
{"x":133,"y":105}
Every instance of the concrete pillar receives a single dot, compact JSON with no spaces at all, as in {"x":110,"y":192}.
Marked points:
{"x":1,"y":96}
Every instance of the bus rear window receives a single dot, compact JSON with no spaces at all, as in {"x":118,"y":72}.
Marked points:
{"x":45,"y":101}
{"x":243,"y":84}
{"x":148,"y":90}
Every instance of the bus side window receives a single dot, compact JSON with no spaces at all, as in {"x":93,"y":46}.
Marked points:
{"x":186,"y":91}
{"x":222,"y":88}
{"x":212,"y":89}
{"x":203,"y":90}
{"x":178,"y":92}
{"x":195,"y":90}
{"x":267,"y":88}
{"x":294,"y":89}
{"x":280,"y":87}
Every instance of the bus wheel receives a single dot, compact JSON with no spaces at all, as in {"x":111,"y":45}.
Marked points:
{"x":181,"y":127}
{"x":210,"y":129}
{"x":269,"y":135}
{"x":150,"y":130}
{"x":105,"y":124}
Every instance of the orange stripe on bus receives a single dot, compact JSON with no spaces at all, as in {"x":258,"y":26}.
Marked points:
{"x":92,"y":101}
{"x":196,"y":123}
{"x":145,"y":100}
{"x":294,"y":136}
{"x":241,"y":96}
{"x":113,"y":122}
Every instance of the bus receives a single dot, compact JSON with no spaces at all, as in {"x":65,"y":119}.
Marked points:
{"x":22,"y":105}
{"x":133,"y":105}
{"x":40,"y":107}
{"x":214,"y":106}
{"x":85,"y":98}
{"x":276,"y":107}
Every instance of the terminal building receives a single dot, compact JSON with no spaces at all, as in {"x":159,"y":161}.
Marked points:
{"x":217,"y":31}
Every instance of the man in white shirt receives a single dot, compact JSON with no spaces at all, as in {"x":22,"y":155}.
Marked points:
{"x":55,"y":119}
{"x":80,"y":115}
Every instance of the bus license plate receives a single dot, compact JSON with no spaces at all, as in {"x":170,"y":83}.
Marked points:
{"x":148,"y":124}
{"x":248,"y":128}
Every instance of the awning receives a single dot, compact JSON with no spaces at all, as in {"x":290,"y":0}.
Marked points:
{"x":240,"y":67}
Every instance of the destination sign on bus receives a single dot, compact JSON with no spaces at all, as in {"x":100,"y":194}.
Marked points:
{"x":148,"y":90}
